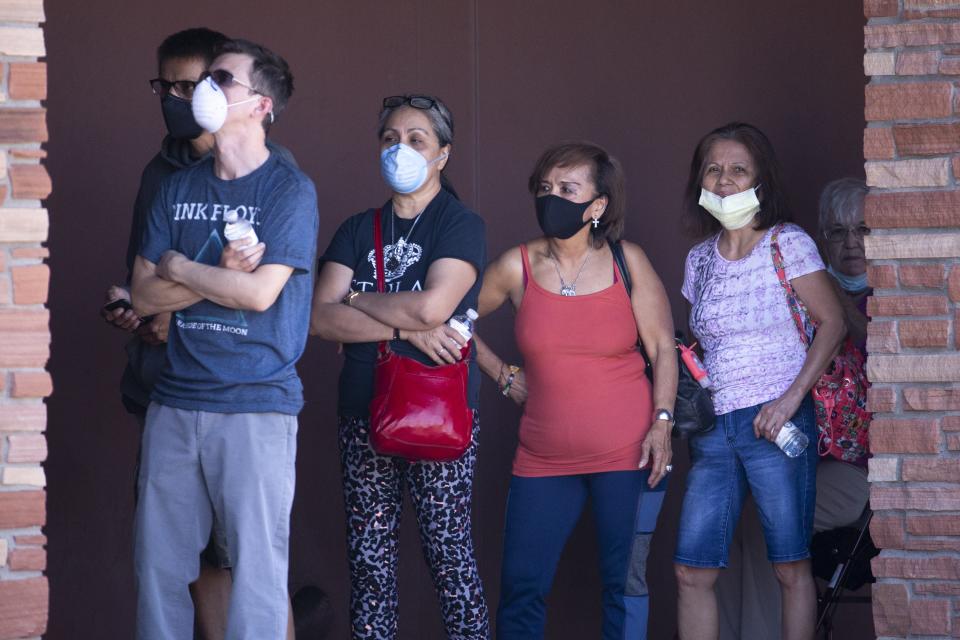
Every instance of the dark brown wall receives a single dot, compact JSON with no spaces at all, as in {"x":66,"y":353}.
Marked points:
{"x":644,"y":79}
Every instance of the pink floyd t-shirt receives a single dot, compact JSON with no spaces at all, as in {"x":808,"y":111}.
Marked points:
{"x":741,"y":318}
{"x":221,"y":359}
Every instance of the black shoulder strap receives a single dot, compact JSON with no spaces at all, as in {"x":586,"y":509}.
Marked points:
{"x":621,"y":261}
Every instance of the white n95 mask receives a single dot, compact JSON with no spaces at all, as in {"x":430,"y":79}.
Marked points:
{"x":209,"y":105}
{"x":404,"y":169}
{"x":734,"y":211}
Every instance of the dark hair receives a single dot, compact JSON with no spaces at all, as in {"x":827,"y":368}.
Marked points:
{"x":270,"y":74}
{"x":441,"y":121}
{"x":198,"y":42}
{"x":773,"y":202}
{"x":607,"y":176}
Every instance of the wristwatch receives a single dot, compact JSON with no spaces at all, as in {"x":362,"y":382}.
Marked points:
{"x":663,"y":414}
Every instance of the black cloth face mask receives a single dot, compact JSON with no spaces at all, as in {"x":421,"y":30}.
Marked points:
{"x":559,"y":218}
{"x":178,"y":116}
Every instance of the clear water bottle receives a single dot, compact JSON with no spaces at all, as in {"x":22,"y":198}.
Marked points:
{"x":791,"y":440}
{"x":464,"y":323}
{"x":237,"y":228}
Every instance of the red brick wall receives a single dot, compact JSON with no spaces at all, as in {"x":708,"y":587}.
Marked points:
{"x":912,"y":148}
{"x":24,"y":320}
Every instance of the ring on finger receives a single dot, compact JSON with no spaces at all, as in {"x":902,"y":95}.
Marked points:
{"x":668,"y":468}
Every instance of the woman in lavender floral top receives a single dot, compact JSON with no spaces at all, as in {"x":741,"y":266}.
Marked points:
{"x":761,"y":372}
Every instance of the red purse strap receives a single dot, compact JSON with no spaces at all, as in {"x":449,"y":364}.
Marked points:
{"x":796,"y":307}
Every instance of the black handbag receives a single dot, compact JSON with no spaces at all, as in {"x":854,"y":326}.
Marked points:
{"x":693,"y":410}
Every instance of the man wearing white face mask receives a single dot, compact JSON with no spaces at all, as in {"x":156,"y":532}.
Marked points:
{"x":182,"y":59}
{"x":762,"y":371}
{"x":220,"y":436}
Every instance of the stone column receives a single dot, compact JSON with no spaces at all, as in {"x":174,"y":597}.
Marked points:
{"x":24,"y":320}
{"x":912,"y":149}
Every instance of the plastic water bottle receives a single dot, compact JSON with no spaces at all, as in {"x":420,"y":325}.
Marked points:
{"x":791,"y":440}
{"x":464,"y":323}
{"x":237,"y":228}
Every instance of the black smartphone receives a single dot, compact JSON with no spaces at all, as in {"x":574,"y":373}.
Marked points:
{"x":119,"y":303}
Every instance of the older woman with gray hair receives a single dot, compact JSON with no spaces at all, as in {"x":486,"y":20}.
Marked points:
{"x":842,"y":488}
{"x":842,"y":230}
{"x":434,"y":254}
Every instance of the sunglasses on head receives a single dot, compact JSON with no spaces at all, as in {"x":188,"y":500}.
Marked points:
{"x":224,"y":78}
{"x":183,"y":88}
{"x":417,"y":102}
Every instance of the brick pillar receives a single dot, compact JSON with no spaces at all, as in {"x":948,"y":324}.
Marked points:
{"x":912,"y":149}
{"x":24,"y":320}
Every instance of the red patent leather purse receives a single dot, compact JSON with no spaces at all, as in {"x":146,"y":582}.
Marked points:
{"x":418,"y":411}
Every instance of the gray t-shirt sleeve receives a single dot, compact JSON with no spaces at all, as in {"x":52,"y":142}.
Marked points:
{"x":290,"y":233}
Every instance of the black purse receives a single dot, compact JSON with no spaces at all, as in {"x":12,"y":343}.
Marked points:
{"x":693,"y":410}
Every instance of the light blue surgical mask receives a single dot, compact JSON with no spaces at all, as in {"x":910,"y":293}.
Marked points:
{"x":404,"y":169}
{"x":853,"y":284}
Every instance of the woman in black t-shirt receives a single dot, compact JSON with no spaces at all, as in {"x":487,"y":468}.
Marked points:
{"x":434,"y":252}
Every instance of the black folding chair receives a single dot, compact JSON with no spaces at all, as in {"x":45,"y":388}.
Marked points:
{"x":842,"y":557}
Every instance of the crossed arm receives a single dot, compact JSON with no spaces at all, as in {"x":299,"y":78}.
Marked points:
{"x":177,"y":282}
{"x":372,"y":316}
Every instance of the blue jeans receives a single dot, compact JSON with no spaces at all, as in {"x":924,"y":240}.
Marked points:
{"x":728,"y":461}
{"x":541,"y":514}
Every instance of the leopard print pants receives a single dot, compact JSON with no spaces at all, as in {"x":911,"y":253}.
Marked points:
{"x":441,"y":494}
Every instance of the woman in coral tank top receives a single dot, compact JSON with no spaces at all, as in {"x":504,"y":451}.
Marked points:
{"x":593,"y":425}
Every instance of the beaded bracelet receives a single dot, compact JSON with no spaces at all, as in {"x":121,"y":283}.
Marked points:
{"x":514,"y":370}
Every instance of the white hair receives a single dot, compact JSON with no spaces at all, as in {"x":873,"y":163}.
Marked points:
{"x":842,"y":202}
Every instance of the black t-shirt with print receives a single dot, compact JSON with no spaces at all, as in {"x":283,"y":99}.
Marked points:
{"x":445,"y":229}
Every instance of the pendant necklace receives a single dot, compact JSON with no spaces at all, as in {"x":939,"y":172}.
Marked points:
{"x":568,"y":290}
{"x":398,"y":248}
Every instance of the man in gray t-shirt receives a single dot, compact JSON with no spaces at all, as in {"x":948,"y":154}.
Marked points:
{"x":220,"y":436}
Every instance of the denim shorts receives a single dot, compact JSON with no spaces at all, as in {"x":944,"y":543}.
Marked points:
{"x":728,"y":461}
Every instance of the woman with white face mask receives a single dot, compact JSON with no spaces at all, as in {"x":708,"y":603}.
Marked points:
{"x":747,"y":590}
{"x":762,"y":374}
{"x":434,"y":253}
